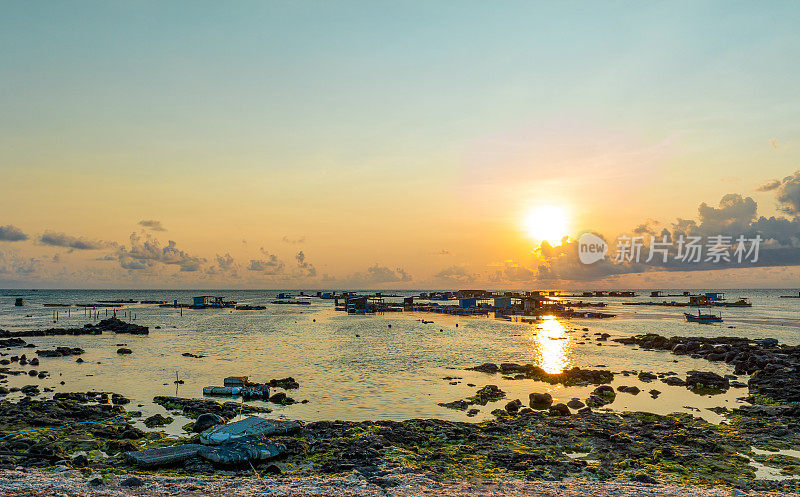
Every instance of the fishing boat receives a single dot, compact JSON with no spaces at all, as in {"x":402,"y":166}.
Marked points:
{"x":703,"y":318}
{"x":743,"y":302}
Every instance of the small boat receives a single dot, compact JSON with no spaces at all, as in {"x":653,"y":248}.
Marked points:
{"x":703,"y":318}
{"x":19,"y":302}
{"x":743,"y":302}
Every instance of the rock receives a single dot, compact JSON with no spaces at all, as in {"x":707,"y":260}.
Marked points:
{"x":631,"y":390}
{"x":514,"y":406}
{"x":30,"y":390}
{"x":200,"y":406}
{"x":673,"y":381}
{"x":644,"y":478}
{"x":206,"y":421}
{"x":489,"y":393}
{"x":559,"y":410}
{"x":604,"y":390}
{"x":282,"y":399}
{"x":80,"y":461}
{"x":767,"y":342}
{"x":654,"y":393}
{"x":486,"y":367}
{"x":285,"y":383}
{"x":95,"y":481}
{"x":646,"y":376}
{"x":540,"y":400}
{"x":131,"y":482}
{"x":575,"y":404}
{"x":680,"y":349}
{"x":61,"y":352}
{"x":273,"y":469}
{"x":707,"y":379}
{"x":157,"y":420}
{"x":123,"y":350}
{"x":598,"y":401}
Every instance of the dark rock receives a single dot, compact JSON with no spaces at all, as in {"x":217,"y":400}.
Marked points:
{"x":282,"y":399}
{"x":707,"y":379}
{"x":486,"y":367}
{"x":157,"y":420}
{"x":644,"y":478}
{"x":540,"y":400}
{"x":559,"y":410}
{"x":131,"y":482}
{"x":206,"y":421}
{"x":285,"y":383}
{"x":61,"y":352}
{"x":674,"y":381}
{"x":124,"y":350}
{"x":575,"y":404}
{"x":514,"y":406}
{"x":647,"y":376}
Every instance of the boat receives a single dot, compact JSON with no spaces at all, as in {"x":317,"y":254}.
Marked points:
{"x":19,"y":302}
{"x":703,"y":318}
{"x":743,"y":302}
{"x":791,"y":296}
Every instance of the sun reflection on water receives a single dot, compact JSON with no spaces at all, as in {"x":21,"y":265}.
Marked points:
{"x":553,"y":344}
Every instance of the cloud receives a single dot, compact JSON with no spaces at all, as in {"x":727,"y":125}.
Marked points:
{"x":271,"y":265}
{"x":734,"y":216}
{"x":56,"y":239}
{"x":788,"y":194}
{"x":226,"y":262}
{"x":304,"y":267}
{"x":294,"y":241}
{"x":378,"y":274}
{"x":646,"y":228}
{"x":145,"y":253}
{"x":456,"y":274}
{"x":10,"y":233}
{"x":512,"y":272}
{"x":12,"y":263}
{"x":152,"y":224}
{"x":769,"y":186}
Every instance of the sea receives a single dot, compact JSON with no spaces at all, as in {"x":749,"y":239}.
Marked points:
{"x":396,"y":365}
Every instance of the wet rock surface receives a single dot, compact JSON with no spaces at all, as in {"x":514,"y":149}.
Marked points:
{"x":195,"y":407}
{"x":775,"y":368}
{"x":112,"y":324}
{"x":574,"y":376}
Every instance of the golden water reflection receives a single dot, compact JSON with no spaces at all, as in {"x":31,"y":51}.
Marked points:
{"x":553,"y":344}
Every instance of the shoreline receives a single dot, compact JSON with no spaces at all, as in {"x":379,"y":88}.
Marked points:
{"x":70,"y":483}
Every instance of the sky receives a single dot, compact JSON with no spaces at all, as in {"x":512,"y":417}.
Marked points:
{"x":392,"y":144}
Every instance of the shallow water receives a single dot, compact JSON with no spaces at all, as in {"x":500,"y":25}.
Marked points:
{"x":358,"y":367}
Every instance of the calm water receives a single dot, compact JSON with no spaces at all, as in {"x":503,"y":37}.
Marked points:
{"x":357,"y":367}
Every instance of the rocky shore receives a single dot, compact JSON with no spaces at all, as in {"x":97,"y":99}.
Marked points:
{"x":87,"y":437}
{"x":528,"y":445}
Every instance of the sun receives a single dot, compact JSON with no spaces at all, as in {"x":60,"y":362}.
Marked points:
{"x":547,"y":223}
